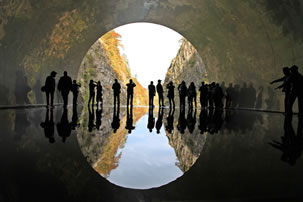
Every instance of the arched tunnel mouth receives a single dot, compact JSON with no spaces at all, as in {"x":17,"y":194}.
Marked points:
{"x":143,"y":151}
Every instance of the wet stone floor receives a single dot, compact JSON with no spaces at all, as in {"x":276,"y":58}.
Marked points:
{"x":107,"y":154}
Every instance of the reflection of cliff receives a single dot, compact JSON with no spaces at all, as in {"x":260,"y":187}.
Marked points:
{"x":103,"y":62}
{"x":187,"y":146}
{"x":187,"y":66}
{"x":100,"y":147}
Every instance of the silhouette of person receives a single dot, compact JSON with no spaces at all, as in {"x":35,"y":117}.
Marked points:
{"x":151,"y":119}
{"x":151,"y":94}
{"x":75,"y":91}
{"x":130,"y":92}
{"x":192,"y":95}
{"x":49,"y":126}
{"x":203,"y":95}
{"x":129,"y":120}
{"x":75,"y":118}
{"x":49,"y":88}
{"x":117,"y":90}
{"x":99,"y":93}
{"x":296,"y":91}
{"x":182,"y":121}
{"x":64,"y":86}
{"x":92,"y":86}
{"x":191,"y":119}
{"x":91,"y":118}
{"x":291,"y":144}
{"x":99,"y":117}
{"x":159,"y":120}
{"x":160,"y":93}
{"x":228,"y":96}
{"x":182,"y":93}
{"x":171,"y":94}
{"x":170,"y":120}
{"x":218,"y":96}
{"x":116,"y":119}
{"x":64,"y":127}
{"x":211,"y":94}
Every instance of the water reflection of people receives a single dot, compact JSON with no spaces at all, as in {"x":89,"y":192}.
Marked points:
{"x":182,"y":121}
{"x":151,"y":119}
{"x":75,"y":118}
{"x":191,"y":119}
{"x":116,"y":119}
{"x":170,"y":120}
{"x":91,"y":118}
{"x":159,"y":120}
{"x":49,"y":126}
{"x":99,"y":117}
{"x":64,"y":127}
{"x":129,"y":121}
{"x":203,"y":121}
{"x":291,"y":144}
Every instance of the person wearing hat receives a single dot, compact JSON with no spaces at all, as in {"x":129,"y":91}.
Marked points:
{"x":160,"y":93}
{"x":49,"y":88}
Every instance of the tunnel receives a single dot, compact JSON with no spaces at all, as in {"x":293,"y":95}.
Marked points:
{"x":240,"y":42}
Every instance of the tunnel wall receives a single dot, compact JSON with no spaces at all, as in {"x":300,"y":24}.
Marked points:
{"x":245,"y":43}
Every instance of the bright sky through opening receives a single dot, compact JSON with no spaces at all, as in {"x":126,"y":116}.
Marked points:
{"x":150,"y":49}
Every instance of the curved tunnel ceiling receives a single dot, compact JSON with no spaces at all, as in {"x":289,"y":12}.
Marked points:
{"x":239,"y":41}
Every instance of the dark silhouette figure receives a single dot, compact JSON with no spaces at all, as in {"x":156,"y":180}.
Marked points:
{"x":203,"y":121}
{"x":218,"y":96}
{"x":171,"y":94}
{"x":75,"y":118}
{"x":192,"y":95}
{"x":64,"y":86}
{"x":296,"y":91}
{"x":151,"y":119}
{"x":191,"y":119}
{"x":182,"y":93}
{"x":64,"y":127}
{"x":99,"y":93}
{"x":203,"y":95}
{"x":291,"y":144}
{"x":49,"y":126}
{"x":21,"y":88}
{"x":151,"y":94}
{"x":49,"y":88}
{"x":116,"y":119}
{"x":228,"y":96}
{"x":92,"y":86}
{"x":129,"y":120}
{"x":211,"y":94}
{"x":99,"y":117}
{"x":182,"y":121}
{"x":117,"y":90}
{"x":160,"y":93}
{"x":170,"y":120}
{"x":75,"y":91}
{"x":159,"y":120}
{"x":130,"y":92}
{"x":91,"y":118}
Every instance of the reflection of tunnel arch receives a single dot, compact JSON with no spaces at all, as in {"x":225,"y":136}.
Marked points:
{"x":229,"y":36}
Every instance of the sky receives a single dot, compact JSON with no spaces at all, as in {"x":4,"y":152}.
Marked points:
{"x":149,"y":49}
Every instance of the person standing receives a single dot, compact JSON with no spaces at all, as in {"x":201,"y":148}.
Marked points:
{"x":130,"y":92}
{"x":117,"y":90}
{"x":75,"y":91}
{"x":192,"y":95}
{"x":203,"y":95}
{"x":182,"y":93}
{"x":171,"y":94}
{"x":49,"y":88}
{"x":151,"y":94}
{"x":92,"y":94}
{"x":160,"y":93}
{"x":64,"y":86}
{"x":99,"y":93}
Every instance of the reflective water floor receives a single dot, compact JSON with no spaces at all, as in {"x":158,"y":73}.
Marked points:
{"x":92,"y":155}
